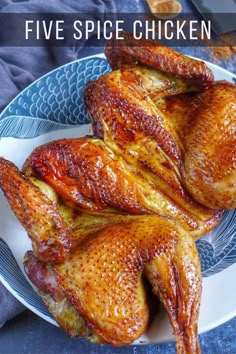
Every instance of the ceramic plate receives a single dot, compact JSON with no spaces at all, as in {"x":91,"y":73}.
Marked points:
{"x":52,"y":108}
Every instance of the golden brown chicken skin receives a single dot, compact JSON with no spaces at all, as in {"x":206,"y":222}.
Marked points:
{"x":134,"y":128}
{"x":210,"y":148}
{"x":86,"y":172}
{"x":36,"y":212}
{"x":97,"y":185}
{"x":102,"y":277}
{"x":159,"y":57}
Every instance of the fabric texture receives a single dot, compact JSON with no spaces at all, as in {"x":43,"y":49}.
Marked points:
{"x":9,"y":306}
{"x":20,"y":66}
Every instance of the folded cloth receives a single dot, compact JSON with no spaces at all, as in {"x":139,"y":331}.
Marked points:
{"x":19,"y":66}
{"x":9,"y":306}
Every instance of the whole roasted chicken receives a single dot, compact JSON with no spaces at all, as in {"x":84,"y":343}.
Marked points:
{"x":109,"y":212}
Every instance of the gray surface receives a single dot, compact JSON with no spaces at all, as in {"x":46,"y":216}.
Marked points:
{"x":213,"y":10}
{"x":28,"y":334}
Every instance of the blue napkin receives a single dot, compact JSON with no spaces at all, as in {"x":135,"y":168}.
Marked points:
{"x":19,"y":66}
{"x":9,"y":306}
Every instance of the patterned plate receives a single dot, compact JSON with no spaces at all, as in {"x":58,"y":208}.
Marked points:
{"x":52,"y":108}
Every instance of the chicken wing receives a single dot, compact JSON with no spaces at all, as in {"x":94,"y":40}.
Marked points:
{"x":205,"y":132}
{"x":36,"y":212}
{"x":176,"y":110}
{"x":54,"y":226}
{"x":153,"y":54}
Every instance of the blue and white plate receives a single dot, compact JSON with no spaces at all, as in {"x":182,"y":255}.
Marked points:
{"x":52,"y":108}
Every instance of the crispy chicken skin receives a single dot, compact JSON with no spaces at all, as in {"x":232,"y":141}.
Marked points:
{"x":36,"y":212}
{"x":210,"y":148}
{"x":90,"y":175}
{"x":176,"y":110}
{"x":103,"y":279}
{"x":86,"y":172}
{"x":153,"y":54}
{"x":134,"y":128}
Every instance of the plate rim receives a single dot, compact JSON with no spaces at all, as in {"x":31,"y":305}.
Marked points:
{"x":25,"y":303}
{"x":99,"y":55}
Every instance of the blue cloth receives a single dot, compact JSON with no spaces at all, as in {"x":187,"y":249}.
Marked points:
{"x":19,"y":66}
{"x":9,"y":306}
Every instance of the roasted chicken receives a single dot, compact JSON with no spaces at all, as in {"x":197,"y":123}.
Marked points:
{"x":110,"y":211}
